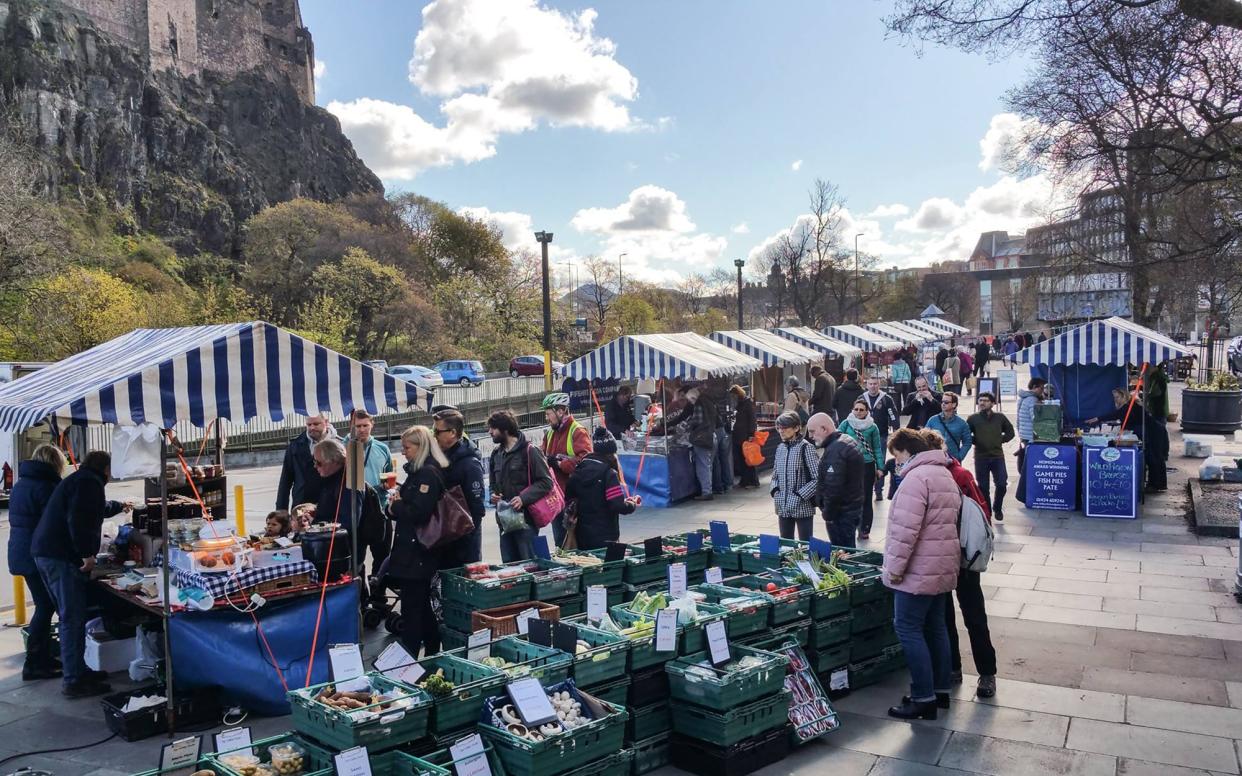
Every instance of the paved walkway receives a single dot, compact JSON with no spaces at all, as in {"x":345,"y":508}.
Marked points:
{"x":1119,"y":644}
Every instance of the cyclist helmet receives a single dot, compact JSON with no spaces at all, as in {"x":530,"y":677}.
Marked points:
{"x":554,"y":400}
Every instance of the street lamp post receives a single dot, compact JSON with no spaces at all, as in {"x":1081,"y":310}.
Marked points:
{"x":857,"y":282}
{"x":739,"y":264}
{"x":544,"y":239}
{"x":620,"y":288}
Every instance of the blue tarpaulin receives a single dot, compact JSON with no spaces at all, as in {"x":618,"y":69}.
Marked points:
{"x":1085,"y":390}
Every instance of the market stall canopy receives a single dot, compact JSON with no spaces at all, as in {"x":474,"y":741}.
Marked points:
{"x":864,"y":339}
{"x":652,"y":356}
{"x":932,"y":311}
{"x":769,"y":348}
{"x":940,"y":324}
{"x":1112,"y":341}
{"x":932,"y":332}
{"x":893,"y":333}
{"x":234,"y":371}
{"x":921,"y":336}
{"x":808,"y":337}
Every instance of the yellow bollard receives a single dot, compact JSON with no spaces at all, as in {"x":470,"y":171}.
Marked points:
{"x":19,"y":600}
{"x":239,"y":508}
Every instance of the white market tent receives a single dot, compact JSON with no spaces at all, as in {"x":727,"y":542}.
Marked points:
{"x":651,"y":356}
{"x":864,"y":339}
{"x":829,"y":346}
{"x":893,"y":333}
{"x":941,"y":324}
{"x":1112,"y":341}
{"x":922,"y":337}
{"x":932,"y":332}
{"x":771,"y":349}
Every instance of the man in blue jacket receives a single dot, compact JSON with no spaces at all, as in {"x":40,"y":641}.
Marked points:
{"x":952,"y":427}
{"x":465,"y":470}
{"x":64,"y":549}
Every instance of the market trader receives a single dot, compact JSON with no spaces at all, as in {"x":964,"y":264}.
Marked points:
{"x":1150,"y":429}
{"x":619,"y":413}
{"x":566,"y":444}
{"x":64,"y":548}
{"x":465,"y":469}
{"x":299,"y":483}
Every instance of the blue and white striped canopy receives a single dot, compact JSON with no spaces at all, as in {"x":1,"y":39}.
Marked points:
{"x":889,"y":331}
{"x":918,"y":336}
{"x":934,"y":334}
{"x":769,"y":348}
{"x":1112,"y":341}
{"x":234,"y":371}
{"x":829,"y":346}
{"x":864,"y":339}
{"x":941,"y":324}
{"x":652,"y":356}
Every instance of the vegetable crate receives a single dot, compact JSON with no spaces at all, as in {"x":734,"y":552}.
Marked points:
{"x":826,"y":633}
{"x":371,"y":725}
{"x":546,"y":664}
{"x":861,"y":557}
{"x":755,"y":562}
{"x":725,"y":728}
{"x":456,"y":585}
{"x":458,"y":615}
{"x":639,"y":569}
{"x":503,"y":619}
{"x":647,"y":687}
{"x":615,"y":691}
{"x":865,"y":583}
{"x":604,"y":661}
{"x":317,"y":761}
{"x":871,"y":643}
{"x":827,"y":659}
{"x":559,"y":753}
{"x":689,"y":637}
{"x":648,"y":721}
{"x":608,"y":573}
{"x":616,"y":764}
{"x":696,"y":560}
{"x":729,"y":559}
{"x":825,"y":601}
{"x":874,"y":669}
{"x":871,"y":615}
{"x":550,"y":579}
{"x":789,"y":602}
{"x":630,"y":592}
{"x":403,"y":764}
{"x":741,"y":758}
{"x":472,"y":684}
{"x":650,"y":754}
{"x":747,"y":614}
{"x":721,"y":689}
{"x":570,"y":605}
{"x":772,"y":638}
{"x":443,"y":758}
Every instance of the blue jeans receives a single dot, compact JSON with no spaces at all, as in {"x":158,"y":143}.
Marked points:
{"x":985,"y":470}
{"x":843,"y":527}
{"x":67,"y":585}
{"x":722,"y":463}
{"x":517,"y":545}
{"x":39,"y":631}
{"x":703,"y":468}
{"x":919,"y":622}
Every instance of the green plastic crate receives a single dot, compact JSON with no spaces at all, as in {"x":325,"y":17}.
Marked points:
{"x":472,"y":685}
{"x":546,"y":664}
{"x":641,"y":570}
{"x":616,"y":764}
{"x":874,"y":669}
{"x":825,"y":602}
{"x":650,"y":754}
{"x":648,"y":721}
{"x":728,"y":559}
{"x":613,"y":691}
{"x":403,"y":764}
{"x":557,"y":754}
{"x":630,"y":592}
{"x":865,"y":583}
{"x":606,"y":658}
{"x":827,"y":633}
{"x":871,"y":615}
{"x":725,"y":690}
{"x":552,"y":580}
{"x":442,"y":757}
{"x":457,"y":615}
{"x":696,"y":560}
{"x":741,"y":620}
{"x":729,"y":727}
{"x":690,"y":638}
{"x":772,"y":638}
{"x":383,"y":729}
{"x":202,"y":764}
{"x":755,"y":562}
{"x":571,"y":606}
{"x":861,"y":557}
{"x":826,"y":659}
{"x":451,"y":638}
{"x":610,"y":573}
{"x":871,"y":643}
{"x":789,"y":603}
{"x":456,"y":586}
{"x":317,"y":762}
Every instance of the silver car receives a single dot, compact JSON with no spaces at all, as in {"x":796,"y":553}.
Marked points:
{"x":427,"y":379}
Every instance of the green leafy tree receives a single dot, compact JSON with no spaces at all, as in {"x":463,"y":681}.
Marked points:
{"x":75,"y":310}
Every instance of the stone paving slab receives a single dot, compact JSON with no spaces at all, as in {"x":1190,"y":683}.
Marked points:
{"x":1011,"y":758}
{"x":1154,"y":745}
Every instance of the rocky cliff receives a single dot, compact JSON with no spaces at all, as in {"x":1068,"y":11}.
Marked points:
{"x":192,"y":158}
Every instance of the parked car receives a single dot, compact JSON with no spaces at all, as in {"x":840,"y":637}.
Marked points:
{"x":427,"y":379}
{"x":377,"y":363}
{"x":463,"y":373}
{"x":526,"y":366}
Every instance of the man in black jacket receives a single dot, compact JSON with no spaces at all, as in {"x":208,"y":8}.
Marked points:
{"x":825,"y":391}
{"x":619,"y":413}
{"x":847,"y":392}
{"x":64,"y":547}
{"x":297,"y":475}
{"x":701,"y":425}
{"x":839,"y":489}
{"x":335,"y":502}
{"x":884,"y":413}
{"x":924,"y":404}
{"x":466,"y":471}
{"x":519,"y":476}
{"x":983,"y":352}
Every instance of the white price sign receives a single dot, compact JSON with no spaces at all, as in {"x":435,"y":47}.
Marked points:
{"x":715,"y":576}
{"x":717,"y":642}
{"x":182,"y":753}
{"x":469,"y":758}
{"x":233,"y":739}
{"x":677,"y":580}
{"x":353,"y":762}
{"x":532,"y":701}
{"x":478,"y":645}
{"x":524,"y":618}
{"x":396,"y":663}
{"x":666,"y":630}
{"x":347,"y":667}
{"x":806,"y":568}
{"x":597,"y":602}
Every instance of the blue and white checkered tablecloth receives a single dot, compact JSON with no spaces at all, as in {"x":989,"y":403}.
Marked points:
{"x":222,"y":584}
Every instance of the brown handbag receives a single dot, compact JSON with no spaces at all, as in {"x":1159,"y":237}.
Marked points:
{"x":450,"y":522}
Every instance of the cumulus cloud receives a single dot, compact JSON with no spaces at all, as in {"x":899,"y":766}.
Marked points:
{"x":889,"y":211}
{"x":871,"y":237}
{"x":647,"y":209}
{"x":500,"y":67}
{"x":321,"y":69}
{"x":1003,"y":141}
{"x":517,"y":229}
{"x":742,"y":228}
{"x":797,"y":165}
{"x":934,"y":214}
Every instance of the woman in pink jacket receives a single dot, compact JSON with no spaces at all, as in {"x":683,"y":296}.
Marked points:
{"x":921,"y":559}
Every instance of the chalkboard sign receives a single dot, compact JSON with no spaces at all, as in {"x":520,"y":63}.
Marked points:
{"x":1110,"y":482}
{"x":1051,"y":476}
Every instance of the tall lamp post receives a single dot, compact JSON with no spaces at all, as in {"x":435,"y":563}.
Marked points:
{"x":620,"y":288}
{"x":739,"y":264}
{"x":544,"y":239}
{"x":857,"y":282}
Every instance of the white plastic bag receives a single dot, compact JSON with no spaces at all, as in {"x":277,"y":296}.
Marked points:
{"x":135,"y":451}
{"x":1212,"y":469}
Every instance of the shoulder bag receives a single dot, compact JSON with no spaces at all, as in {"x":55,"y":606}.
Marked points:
{"x":449,"y":522}
{"x":544,"y":511}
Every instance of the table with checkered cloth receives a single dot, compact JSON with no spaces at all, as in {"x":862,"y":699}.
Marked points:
{"x":221,"y":585}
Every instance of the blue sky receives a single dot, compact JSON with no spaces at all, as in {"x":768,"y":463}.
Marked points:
{"x":671,"y":130}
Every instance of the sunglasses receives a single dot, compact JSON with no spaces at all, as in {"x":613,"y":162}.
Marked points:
{"x":439,"y":431}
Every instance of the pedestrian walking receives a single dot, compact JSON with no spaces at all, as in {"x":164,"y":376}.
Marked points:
{"x":884,"y":412}
{"x":839,"y":481}
{"x":951,"y":374}
{"x":991,"y":431}
{"x":596,"y":492}
{"x":465,"y":470}
{"x":745,"y":425}
{"x":824,"y":392}
{"x":921,"y":560}
{"x":861,"y":426}
{"x":795,"y":473}
{"x":299,"y":482}
{"x":951,"y":427}
{"x":519,"y":477}
{"x":983,"y":353}
{"x":566,"y":443}
{"x":924,"y":404}
{"x":1028,"y":400}
{"x":901,"y":378}
{"x":847,"y":392}
{"x":797,"y":399}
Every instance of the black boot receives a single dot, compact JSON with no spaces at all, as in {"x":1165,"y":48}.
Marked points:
{"x":914,"y":710}
{"x":34,"y":670}
{"x":942,"y":700}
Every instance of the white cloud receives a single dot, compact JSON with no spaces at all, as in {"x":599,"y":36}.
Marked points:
{"x":321,"y":69}
{"x":1003,"y":140}
{"x":517,"y":229}
{"x":500,"y":67}
{"x":647,"y":209}
{"x":889,"y":211}
{"x":934,"y":214}
{"x":797,"y":165}
{"x":742,"y":228}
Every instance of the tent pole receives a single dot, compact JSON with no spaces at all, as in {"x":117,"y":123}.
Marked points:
{"x":168,"y":659}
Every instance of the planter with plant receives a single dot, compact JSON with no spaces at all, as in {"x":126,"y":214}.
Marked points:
{"x":1212,"y":407}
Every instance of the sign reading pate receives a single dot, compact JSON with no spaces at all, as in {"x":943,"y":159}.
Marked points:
{"x":1051,"y":476}
{"x":1110,"y":482}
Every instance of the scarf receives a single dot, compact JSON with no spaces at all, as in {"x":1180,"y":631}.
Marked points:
{"x":859,"y":425}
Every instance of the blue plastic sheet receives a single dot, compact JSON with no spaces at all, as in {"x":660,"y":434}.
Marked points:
{"x":221,"y":648}
{"x":653,"y":485}
{"x":1086,"y":390}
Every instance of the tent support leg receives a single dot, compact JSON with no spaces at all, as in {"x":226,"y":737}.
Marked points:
{"x":168,"y":661}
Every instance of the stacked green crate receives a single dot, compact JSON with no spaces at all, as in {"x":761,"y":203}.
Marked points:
{"x":606,"y":574}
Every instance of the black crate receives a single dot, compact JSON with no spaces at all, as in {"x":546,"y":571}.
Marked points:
{"x":648,"y":686}
{"x":746,"y":756}
{"x":193,"y":709}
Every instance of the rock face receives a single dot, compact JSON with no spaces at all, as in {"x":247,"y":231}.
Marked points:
{"x":192,"y":158}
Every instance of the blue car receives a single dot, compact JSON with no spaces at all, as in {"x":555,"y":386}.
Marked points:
{"x":461,"y":372}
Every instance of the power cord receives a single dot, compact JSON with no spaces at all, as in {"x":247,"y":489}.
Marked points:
{"x":62,"y":749}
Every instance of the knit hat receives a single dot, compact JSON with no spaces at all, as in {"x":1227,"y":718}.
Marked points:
{"x":603,"y":442}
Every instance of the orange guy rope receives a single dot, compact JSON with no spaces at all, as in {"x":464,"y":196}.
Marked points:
{"x":1133,"y":398}
{"x":323,"y":590}
{"x":620,"y":473}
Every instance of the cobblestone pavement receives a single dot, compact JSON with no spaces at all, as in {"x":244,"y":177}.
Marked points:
{"x":1119,"y":644}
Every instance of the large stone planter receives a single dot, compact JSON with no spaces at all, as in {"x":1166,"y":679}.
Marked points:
{"x":1211,"y":412}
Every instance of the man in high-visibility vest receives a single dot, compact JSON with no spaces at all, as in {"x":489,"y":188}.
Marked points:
{"x":565,"y":443}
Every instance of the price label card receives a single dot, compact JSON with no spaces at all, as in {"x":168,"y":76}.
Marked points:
{"x":478,"y":645}
{"x":806,"y":568}
{"x":839,"y":679}
{"x":597,"y":602}
{"x":353,"y":762}
{"x":714,"y":575}
{"x":666,"y":630}
{"x":653,"y":547}
{"x":614,"y":551}
{"x":720,"y":534}
{"x":284,"y":541}
{"x":532,"y":701}
{"x":821,"y":549}
{"x":233,"y":739}
{"x":769,"y":544}
{"x":347,"y":668}
{"x":541,"y":547}
{"x":182,"y":753}
{"x":694,"y":541}
{"x":565,"y":637}
{"x":717,"y":642}
{"x":524,"y":618}
{"x":677,"y":580}
{"x":540,"y":632}
{"x":469,"y":758}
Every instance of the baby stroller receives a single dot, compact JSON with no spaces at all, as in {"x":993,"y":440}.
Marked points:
{"x":382,"y":604}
